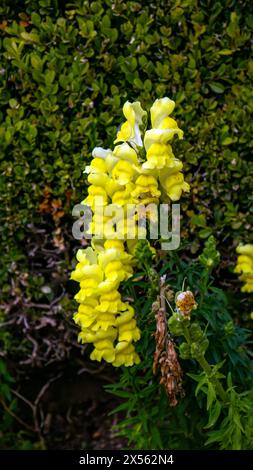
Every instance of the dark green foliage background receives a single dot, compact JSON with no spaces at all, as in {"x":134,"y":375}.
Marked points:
{"x":65,"y":77}
{"x":66,"y":70}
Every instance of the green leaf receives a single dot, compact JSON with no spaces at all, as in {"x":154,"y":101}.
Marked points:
{"x":226,"y":52}
{"x":36,"y":61}
{"x":49,"y":77}
{"x":237,"y":420}
{"x":227,"y":141}
{"x":13,"y":103}
{"x":5,"y":391}
{"x":249,"y":21}
{"x":214,"y":414}
{"x":30,"y":37}
{"x":217,"y":87}
{"x":199,"y":220}
{"x":35,"y":19}
{"x":211,"y":395}
{"x":215,"y":436}
{"x":205,"y":232}
{"x":156,"y":437}
{"x":138,"y":83}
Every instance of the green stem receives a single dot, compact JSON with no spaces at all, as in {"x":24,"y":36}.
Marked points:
{"x":187,"y":334}
{"x":208,"y":370}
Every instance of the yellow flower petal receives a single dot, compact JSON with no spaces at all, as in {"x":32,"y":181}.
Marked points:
{"x":123,"y":172}
{"x":161,"y":136}
{"x":160,"y":110}
{"x":125,"y":152}
{"x":130,"y":130}
{"x":245,"y":249}
{"x":174,"y":185}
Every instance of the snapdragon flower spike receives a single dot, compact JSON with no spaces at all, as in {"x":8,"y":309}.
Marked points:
{"x":245,"y":266}
{"x":140,"y":169}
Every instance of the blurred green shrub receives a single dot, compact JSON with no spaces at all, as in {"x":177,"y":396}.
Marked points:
{"x":66,"y":71}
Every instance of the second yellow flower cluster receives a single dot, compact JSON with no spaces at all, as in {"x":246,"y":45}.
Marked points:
{"x":102,"y":315}
{"x":245,"y":266}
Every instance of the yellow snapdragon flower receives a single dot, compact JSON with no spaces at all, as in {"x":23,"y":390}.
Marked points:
{"x":128,"y":330}
{"x":173,"y":184}
{"x":130,"y":130}
{"x":124,"y":195}
{"x":125,"y":355}
{"x":159,"y":156}
{"x":245,"y":266}
{"x":85,"y":315}
{"x":125,"y":152}
{"x":123,"y":172}
{"x":146,"y":188}
{"x":110,"y":302}
{"x":103,"y":343}
{"x":104,"y":154}
{"x":163,"y":127}
{"x":160,"y":110}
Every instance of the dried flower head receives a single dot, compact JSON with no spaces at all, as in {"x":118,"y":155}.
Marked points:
{"x":185,"y":303}
{"x":165,"y":357}
{"x":171,"y":373}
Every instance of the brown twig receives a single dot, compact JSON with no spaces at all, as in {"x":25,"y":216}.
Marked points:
{"x":25,"y":400}
{"x":45,"y":387}
{"x":11,"y":413}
